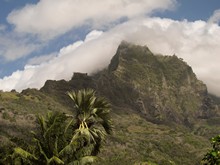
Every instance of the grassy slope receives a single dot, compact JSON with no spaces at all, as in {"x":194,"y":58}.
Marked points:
{"x":18,"y":115}
{"x":134,"y":139}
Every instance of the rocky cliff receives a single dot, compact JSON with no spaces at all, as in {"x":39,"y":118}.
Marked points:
{"x":162,"y":88}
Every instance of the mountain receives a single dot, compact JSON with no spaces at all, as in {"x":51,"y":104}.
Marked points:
{"x":162,"y":113}
{"x":163,"y":88}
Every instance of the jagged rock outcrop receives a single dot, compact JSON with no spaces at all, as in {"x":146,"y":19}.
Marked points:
{"x":162,"y":88}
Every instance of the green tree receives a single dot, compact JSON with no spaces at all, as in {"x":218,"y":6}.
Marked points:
{"x":49,"y":139}
{"x":92,"y":118}
{"x":52,"y":144}
{"x":69,"y":139}
{"x":212,"y":157}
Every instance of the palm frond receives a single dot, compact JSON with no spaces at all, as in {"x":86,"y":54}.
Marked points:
{"x":83,"y":133}
{"x":67,"y":126}
{"x":42,"y":123}
{"x":55,"y":160}
{"x":68,"y":149}
{"x":108,"y":126}
{"x":24,"y":154}
{"x":42,"y":152}
{"x":93,"y":121}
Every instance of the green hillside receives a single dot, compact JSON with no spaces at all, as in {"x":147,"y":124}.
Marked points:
{"x":161,"y":112}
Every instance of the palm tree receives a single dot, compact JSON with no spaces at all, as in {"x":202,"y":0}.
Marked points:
{"x":48,"y":141}
{"x":52,"y":144}
{"x":92,"y":118}
{"x":58,"y":140}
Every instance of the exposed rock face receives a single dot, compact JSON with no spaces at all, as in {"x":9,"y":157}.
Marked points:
{"x":163,"y":88}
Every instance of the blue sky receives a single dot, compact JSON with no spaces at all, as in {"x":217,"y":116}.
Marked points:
{"x":50,"y":39}
{"x":193,"y":10}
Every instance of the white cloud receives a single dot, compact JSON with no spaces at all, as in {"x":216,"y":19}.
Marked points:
{"x":70,"y":47}
{"x":195,"y":42}
{"x":215,"y":18}
{"x":35,"y":25}
{"x":49,"y":18}
{"x":37,"y":60}
{"x":73,"y":56}
{"x":8,"y":83}
{"x":13,"y":46}
{"x":93,"y":35}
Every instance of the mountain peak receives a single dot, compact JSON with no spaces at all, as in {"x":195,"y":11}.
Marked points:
{"x":129,"y":52}
{"x":164,"y":88}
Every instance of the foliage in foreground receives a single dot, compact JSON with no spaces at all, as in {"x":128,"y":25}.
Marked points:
{"x":68,"y":139}
{"x":52,"y":144}
{"x":92,"y":117}
{"x":212,"y":157}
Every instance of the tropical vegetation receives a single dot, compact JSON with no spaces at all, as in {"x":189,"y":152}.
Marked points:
{"x":68,"y":139}
{"x":212,"y":157}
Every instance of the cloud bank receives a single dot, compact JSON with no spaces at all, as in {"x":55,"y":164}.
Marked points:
{"x":196,"y":42}
{"x":33,"y":26}
{"x":49,"y":18}
{"x":14,"y":46}
{"x":215,"y":18}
